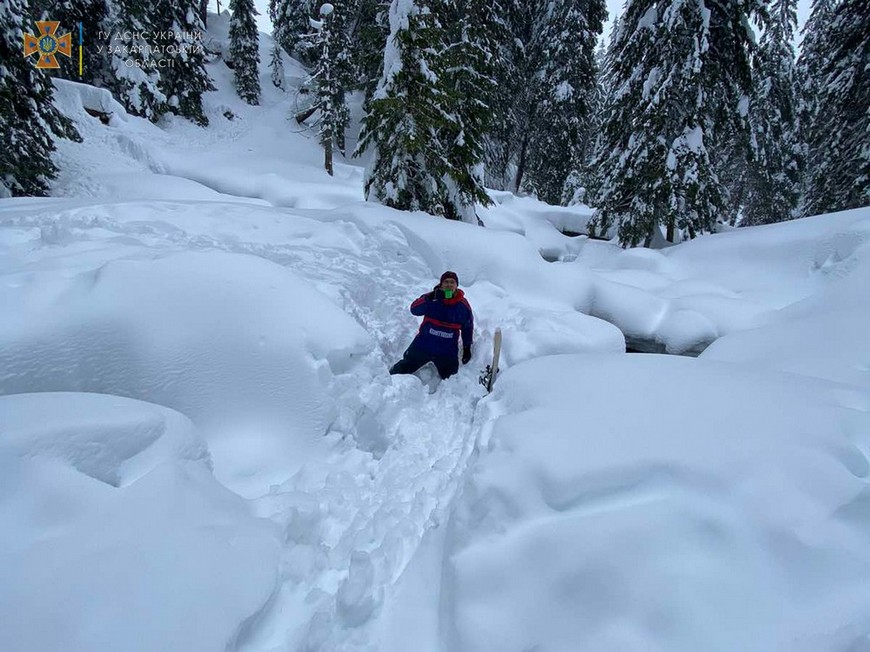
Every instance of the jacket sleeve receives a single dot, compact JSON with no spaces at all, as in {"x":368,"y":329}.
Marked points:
{"x":468,"y":327}
{"x":420,"y":305}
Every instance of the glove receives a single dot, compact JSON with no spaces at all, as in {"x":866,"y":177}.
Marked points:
{"x":438,"y":295}
{"x":466,"y":354}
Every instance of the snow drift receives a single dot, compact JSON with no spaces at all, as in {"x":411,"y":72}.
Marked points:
{"x":114,"y":530}
{"x":245,"y":348}
{"x":640,"y":520}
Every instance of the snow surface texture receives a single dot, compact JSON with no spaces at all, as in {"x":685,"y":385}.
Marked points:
{"x":698,"y":523}
{"x":116,"y":535}
{"x":201,"y":447}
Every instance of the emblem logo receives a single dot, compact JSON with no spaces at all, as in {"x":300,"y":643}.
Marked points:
{"x":48,"y":44}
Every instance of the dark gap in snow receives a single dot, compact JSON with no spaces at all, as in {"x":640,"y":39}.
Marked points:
{"x":642,"y":345}
{"x":557,"y":255}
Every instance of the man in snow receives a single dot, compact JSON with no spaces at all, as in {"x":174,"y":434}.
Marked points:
{"x":446,"y":313}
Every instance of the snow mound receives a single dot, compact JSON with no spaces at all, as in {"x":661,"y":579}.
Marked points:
{"x":734,"y":518}
{"x":542,"y":224}
{"x":108,"y":438}
{"x":526,"y":211}
{"x":244,"y":347}
{"x":688,"y":296}
{"x":72,"y":96}
{"x":116,"y":535}
{"x":534,"y":335}
{"x":823,"y":335}
{"x":833,"y":345}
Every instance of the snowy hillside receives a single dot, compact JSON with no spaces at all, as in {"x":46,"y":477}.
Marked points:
{"x":201,"y":448}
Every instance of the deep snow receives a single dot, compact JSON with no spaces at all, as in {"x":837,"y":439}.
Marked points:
{"x":201,"y":448}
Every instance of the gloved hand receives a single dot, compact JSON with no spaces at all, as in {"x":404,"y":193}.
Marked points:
{"x":438,"y":295}
{"x":466,"y":354}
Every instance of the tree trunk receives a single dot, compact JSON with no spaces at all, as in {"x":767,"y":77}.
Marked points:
{"x":203,"y":12}
{"x":327,"y":156}
{"x":647,"y":241}
{"x":670,"y":234}
{"x":521,"y":164}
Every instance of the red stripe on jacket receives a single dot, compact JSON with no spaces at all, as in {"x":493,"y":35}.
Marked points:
{"x":442,"y":324}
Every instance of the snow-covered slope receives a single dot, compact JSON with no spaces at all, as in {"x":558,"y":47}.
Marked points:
{"x":196,"y":299}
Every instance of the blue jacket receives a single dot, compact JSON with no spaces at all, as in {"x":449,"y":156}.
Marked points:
{"x":443,"y":321}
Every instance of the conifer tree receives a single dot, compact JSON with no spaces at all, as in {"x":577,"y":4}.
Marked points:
{"x":813,"y":52}
{"x":369,"y":32}
{"x":363,"y":25}
{"x":406,"y":113}
{"x":545,"y":87}
{"x":291,"y":27}
{"x":469,"y":61}
{"x":134,"y":77}
{"x":519,"y":77}
{"x":27,"y":115}
{"x":334,"y":114}
{"x":680,"y":71}
{"x":566,"y":94}
{"x":183,"y":77}
{"x":245,"y":50}
{"x":421,"y":126}
{"x":304,"y":39}
{"x":773,"y":179}
{"x":505,"y":102}
{"x":838,"y":135}
{"x":277,"y":66}
{"x":579,"y":179}
{"x":93,"y":15}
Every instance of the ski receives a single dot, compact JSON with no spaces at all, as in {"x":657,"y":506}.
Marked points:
{"x":488,"y":375}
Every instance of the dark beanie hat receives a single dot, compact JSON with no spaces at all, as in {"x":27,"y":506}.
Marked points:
{"x":450,"y":275}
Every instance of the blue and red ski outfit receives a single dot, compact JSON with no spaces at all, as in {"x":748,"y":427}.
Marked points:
{"x":437,"y":340}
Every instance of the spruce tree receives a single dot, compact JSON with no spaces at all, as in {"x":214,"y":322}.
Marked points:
{"x":134,"y":77}
{"x":566,"y":94}
{"x":544,"y":93}
{"x":838,"y":135}
{"x":773,"y":179}
{"x":369,"y":33}
{"x":277,"y":66}
{"x":244,"y":50}
{"x":733,"y":166}
{"x":469,"y":60}
{"x":680,"y":71}
{"x":506,"y":71}
{"x":517,"y":111}
{"x":27,"y":115}
{"x":94,"y":18}
{"x":183,"y":77}
{"x":813,"y":51}
{"x":579,"y":179}
{"x":291,"y":27}
{"x":364,"y":28}
{"x":405,"y":115}
{"x":421,"y":124}
{"x":334,"y":114}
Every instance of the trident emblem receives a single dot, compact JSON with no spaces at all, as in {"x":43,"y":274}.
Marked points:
{"x":47,"y":44}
